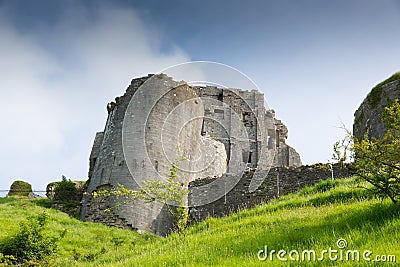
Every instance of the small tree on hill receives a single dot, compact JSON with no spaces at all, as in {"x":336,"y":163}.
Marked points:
{"x":171,"y":193}
{"x":377,"y":160}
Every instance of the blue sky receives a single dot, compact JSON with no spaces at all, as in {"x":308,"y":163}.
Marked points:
{"x":62,"y":61}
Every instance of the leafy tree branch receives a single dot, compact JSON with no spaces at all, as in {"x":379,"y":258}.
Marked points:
{"x":376,"y":160}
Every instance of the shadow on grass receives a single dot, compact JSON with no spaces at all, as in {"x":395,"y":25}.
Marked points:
{"x":43,"y":202}
{"x":72,"y":208}
{"x":5,"y":200}
{"x":377,"y":214}
{"x":341,"y":196}
{"x":342,"y":224}
{"x":294,"y":201}
{"x":293,"y":235}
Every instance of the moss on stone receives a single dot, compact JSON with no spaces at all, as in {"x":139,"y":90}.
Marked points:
{"x":375,"y":96}
{"x":359,"y":118}
{"x":20,"y":188}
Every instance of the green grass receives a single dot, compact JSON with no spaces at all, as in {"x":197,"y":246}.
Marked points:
{"x":313,"y":219}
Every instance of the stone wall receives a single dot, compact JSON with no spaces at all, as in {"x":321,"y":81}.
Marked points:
{"x":279,"y":181}
{"x":111,"y":163}
{"x":240,"y":121}
{"x":98,"y":140}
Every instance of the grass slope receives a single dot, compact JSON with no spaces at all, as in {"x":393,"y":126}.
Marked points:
{"x":313,"y":219}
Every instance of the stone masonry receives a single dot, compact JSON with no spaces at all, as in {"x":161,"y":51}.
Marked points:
{"x":222,"y":132}
{"x":278,"y":181}
{"x":368,"y":117}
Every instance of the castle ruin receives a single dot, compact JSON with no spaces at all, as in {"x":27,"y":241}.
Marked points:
{"x":222,"y":132}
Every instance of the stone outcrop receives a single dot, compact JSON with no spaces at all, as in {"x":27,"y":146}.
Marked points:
{"x":368,"y":117}
{"x":221,"y":132}
{"x":21,"y":189}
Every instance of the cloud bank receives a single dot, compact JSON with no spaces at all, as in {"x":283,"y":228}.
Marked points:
{"x":56,"y":81}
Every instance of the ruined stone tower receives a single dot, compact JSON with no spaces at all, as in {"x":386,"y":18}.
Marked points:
{"x":368,"y":117}
{"x":220,"y":131}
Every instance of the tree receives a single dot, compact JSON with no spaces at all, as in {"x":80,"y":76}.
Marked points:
{"x":172,"y":194}
{"x":342,"y":149}
{"x":378,"y":160}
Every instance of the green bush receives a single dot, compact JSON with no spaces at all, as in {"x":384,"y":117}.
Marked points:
{"x":6,"y":260}
{"x":20,"y":188}
{"x":66,"y":191}
{"x":30,"y":243}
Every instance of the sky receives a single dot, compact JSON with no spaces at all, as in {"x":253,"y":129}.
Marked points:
{"x":61,"y":62}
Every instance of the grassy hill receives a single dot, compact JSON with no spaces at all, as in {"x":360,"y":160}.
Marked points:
{"x":314,"y":219}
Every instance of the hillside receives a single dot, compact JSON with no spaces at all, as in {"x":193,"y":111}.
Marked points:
{"x":313,"y":219}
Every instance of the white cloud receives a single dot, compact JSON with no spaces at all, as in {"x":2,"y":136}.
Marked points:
{"x":54,"y":88}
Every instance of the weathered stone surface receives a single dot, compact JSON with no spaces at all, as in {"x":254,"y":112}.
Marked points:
{"x":147,"y":155}
{"x":215,"y":150}
{"x":220,"y":131}
{"x":368,"y":117}
{"x":98,"y":140}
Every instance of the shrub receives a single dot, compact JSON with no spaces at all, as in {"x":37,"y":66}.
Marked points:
{"x":64,"y":191}
{"x":377,"y":161}
{"x":20,"y":188}
{"x":6,"y":260}
{"x":30,"y":243}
